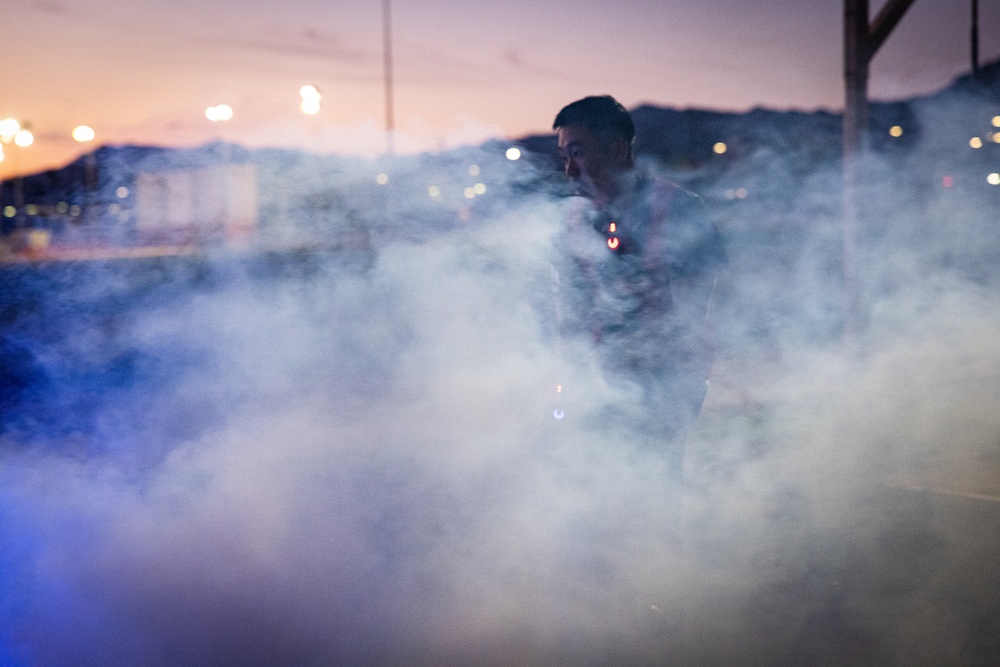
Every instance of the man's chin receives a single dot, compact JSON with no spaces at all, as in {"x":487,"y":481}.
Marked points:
{"x":585,"y":188}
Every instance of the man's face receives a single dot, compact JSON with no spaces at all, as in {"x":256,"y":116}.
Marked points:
{"x":590,"y":161}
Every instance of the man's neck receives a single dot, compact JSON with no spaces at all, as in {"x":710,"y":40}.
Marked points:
{"x":619,"y":191}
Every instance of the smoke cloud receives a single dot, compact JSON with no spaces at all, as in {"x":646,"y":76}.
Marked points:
{"x":252,"y":460}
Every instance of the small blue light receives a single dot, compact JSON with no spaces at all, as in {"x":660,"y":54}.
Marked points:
{"x":558,"y":413}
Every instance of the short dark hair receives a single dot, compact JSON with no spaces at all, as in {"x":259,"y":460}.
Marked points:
{"x":601,"y":114}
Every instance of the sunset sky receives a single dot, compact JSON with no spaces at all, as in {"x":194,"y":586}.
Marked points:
{"x":144,"y":71}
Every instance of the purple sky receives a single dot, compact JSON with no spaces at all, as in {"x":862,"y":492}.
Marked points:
{"x":144,"y":71}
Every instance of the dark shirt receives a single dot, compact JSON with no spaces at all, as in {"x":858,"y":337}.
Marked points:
{"x":638,"y":275}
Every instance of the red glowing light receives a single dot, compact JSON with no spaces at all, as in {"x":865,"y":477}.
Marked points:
{"x":613,"y":228}
{"x":613,"y":243}
{"x":947,"y":181}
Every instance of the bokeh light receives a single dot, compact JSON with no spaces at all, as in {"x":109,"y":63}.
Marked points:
{"x":8,"y":128}
{"x":996,"y":121}
{"x":479,"y":188}
{"x":309,"y":107}
{"x":83,"y":133}
{"x":382,"y":178}
{"x":993,"y":179}
{"x":24,"y":138}
{"x":895,"y":131}
{"x":513,"y":153}
{"x":434,"y":191}
{"x":719,"y":148}
{"x":976,"y":142}
{"x":219,"y":112}
{"x":310,"y":92}
{"x":474,"y":170}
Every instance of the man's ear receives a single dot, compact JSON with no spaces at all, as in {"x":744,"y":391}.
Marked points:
{"x":621,"y":148}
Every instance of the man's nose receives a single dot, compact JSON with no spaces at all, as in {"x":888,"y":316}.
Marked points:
{"x":572,"y":170}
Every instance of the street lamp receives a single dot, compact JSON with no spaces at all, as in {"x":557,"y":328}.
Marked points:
{"x":310,"y":100}
{"x":220,"y":112}
{"x":84,"y":134}
{"x":14,"y":132}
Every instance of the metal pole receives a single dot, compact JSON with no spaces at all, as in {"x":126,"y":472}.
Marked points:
{"x":856,"y":56}
{"x":387,"y":69}
{"x":975,"y":40}
{"x":861,"y":42}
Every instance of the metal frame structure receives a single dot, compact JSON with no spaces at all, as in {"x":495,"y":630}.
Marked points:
{"x":861,"y":42}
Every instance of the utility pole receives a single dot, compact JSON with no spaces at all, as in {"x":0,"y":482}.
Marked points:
{"x":387,"y":71}
{"x":861,"y":41}
{"x":975,"y":40}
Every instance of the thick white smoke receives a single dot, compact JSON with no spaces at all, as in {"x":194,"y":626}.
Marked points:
{"x":332,"y":466}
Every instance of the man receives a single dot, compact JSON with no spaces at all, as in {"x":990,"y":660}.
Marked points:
{"x":637,"y":267}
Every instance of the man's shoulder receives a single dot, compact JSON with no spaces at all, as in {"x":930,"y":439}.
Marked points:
{"x":683,"y":225}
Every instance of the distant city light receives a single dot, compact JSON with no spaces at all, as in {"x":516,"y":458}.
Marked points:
{"x":309,"y":107}
{"x":74,"y":210}
{"x":513,"y":153}
{"x":996,"y":121}
{"x":474,"y":170}
{"x":8,"y":128}
{"x":62,"y":207}
{"x":434,"y":191}
{"x":719,"y":148}
{"x":121,"y":192}
{"x":470,"y":193}
{"x":31,"y":209}
{"x":310,"y":99}
{"x":24,"y":138}
{"x":996,"y":137}
{"x":947,"y":181}
{"x":9,"y":211}
{"x":895,"y":131}
{"x":219,"y":112}
{"x":84,"y":133}
{"x":993,"y":179}
{"x":976,"y":142}
{"x":382,"y":178}
{"x":310,"y":92}
{"x":479,"y":188}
